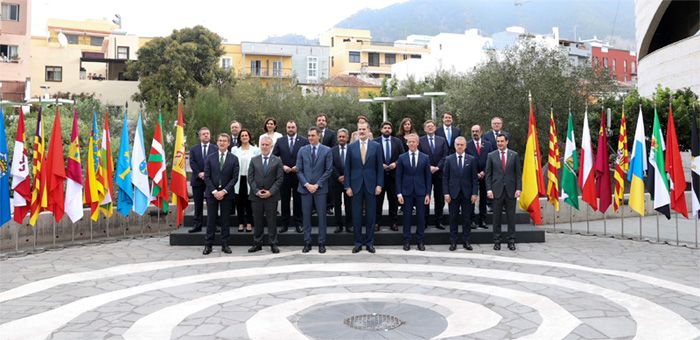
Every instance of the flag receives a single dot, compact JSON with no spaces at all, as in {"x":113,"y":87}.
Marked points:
{"x":107,"y":168}
{"x":125,"y":196}
{"x":695,"y":165}
{"x":638,"y":166}
{"x":157,"y":169}
{"x":657,"y":173}
{"x":532,"y":174}
{"x":74,"y":174}
{"x":586,"y":175}
{"x":553,"y":164}
{"x":56,"y":171}
{"x":674,"y":168}
{"x":569,"y":182}
{"x":602,"y":168}
{"x":5,"y":210}
{"x":94,"y":186}
{"x":178,"y":184}
{"x":622,"y":164}
{"x":21,"y":183}
{"x":39,"y":202}
{"x":139,"y":171}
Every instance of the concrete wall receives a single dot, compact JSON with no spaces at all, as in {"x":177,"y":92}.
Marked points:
{"x":675,"y":66}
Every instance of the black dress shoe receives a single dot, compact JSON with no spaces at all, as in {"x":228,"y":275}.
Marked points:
{"x":275,"y":249}
{"x":348,"y":229}
{"x":207,"y":250}
{"x":453,"y":246}
{"x":377,"y":227}
{"x":226,"y":249}
{"x":356,"y":249}
{"x":511,"y":245}
{"x":284,"y":229}
{"x":195,"y":230}
{"x":406,"y":246}
{"x":497,"y":246}
{"x":394,"y":227}
{"x":306,"y":249}
{"x":371,"y":249}
{"x":322,"y":248}
{"x":338,"y":229}
{"x":298,"y":229}
{"x":482,"y":226}
{"x":329,"y":211}
{"x":421,"y":246}
{"x":467,"y":246}
{"x":472,"y":227}
{"x":439,"y":226}
{"x":255,"y":248}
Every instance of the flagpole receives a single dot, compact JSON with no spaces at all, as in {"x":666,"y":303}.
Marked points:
{"x":640,"y":228}
{"x":588,"y":228}
{"x":17,"y":237}
{"x":35,"y":234}
{"x":571,"y":218}
{"x":605,"y":225}
{"x":555,"y":218}
{"x":677,"y":242}
{"x":91,"y":228}
{"x":54,"y":232}
{"x":658,"y":238}
{"x":622,"y":222}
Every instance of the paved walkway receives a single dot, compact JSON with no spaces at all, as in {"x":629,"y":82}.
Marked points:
{"x":571,"y":287}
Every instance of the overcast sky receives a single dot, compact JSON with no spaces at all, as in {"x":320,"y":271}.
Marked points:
{"x":234,"y":20}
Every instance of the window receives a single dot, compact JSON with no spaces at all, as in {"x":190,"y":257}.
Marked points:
{"x":122,"y":52}
{"x":614,"y":65}
{"x":255,"y":67}
{"x":54,"y":73}
{"x":354,"y":57}
{"x":10,"y":12}
{"x":605,"y":62}
{"x":332,"y":41}
{"x":390,"y":58}
{"x":624,"y":66}
{"x":72,"y":39}
{"x":332,"y":61}
{"x":96,"y":41}
{"x":415,"y":56}
{"x":276,"y":68}
{"x":9,"y":51}
{"x":373,"y":59}
{"x":595,"y":61}
{"x":634,"y":67}
{"x":312,"y":67}
{"x":226,"y":63}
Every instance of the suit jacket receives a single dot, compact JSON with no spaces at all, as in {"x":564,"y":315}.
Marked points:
{"x":224,"y":179}
{"x":437,"y":158}
{"x":507,"y":181}
{"x":456,"y":132}
{"x":258,"y":179}
{"x":232,"y":144}
{"x":464,"y":179}
{"x":197,"y":162}
{"x":281,"y":150}
{"x":396,"y":151}
{"x":338,"y":166}
{"x":314,"y":172}
{"x":489,"y":137}
{"x":329,"y":138}
{"x":413,"y":181}
{"x":486,"y":148}
{"x":368,"y":175}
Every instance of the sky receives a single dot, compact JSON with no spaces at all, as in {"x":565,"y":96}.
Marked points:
{"x":235,"y":21}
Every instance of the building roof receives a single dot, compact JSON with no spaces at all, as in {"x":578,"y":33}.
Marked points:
{"x":345,"y":80}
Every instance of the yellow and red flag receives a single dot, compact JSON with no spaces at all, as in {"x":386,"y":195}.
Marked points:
{"x":39,"y":201}
{"x":56,"y":171}
{"x":622,"y":164}
{"x":94,"y":186}
{"x":178,"y":184}
{"x":533,"y":182}
{"x":107,"y":170}
{"x":553,"y":164}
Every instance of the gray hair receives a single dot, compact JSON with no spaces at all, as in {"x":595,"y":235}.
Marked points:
{"x":264,"y":138}
{"x":460,"y":138}
{"x":344,"y":130}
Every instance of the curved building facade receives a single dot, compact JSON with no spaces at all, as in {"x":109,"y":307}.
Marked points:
{"x":668,"y":44}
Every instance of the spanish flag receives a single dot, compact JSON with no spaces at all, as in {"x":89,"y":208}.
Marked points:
{"x":533,"y":182}
{"x":39,"y":200}
{"x":94,"y":186}
{"x":178,"y":184}
{"x":638,"y":166}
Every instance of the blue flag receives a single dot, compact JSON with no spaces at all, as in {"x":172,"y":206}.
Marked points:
{"x":4,"y":174}
{"x":139,"y":172}
{"x":125,"y":198}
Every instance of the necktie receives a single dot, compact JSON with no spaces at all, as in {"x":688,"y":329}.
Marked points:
{"x":449,"y":136}
{"x":234,"y":140}
{"x":265,"y":165}
{"x":503,"y":160}
{"x":313,"y":155}
{"x":323,"y":133}
{"x":460,"y":162}
{"x":221,"y":161}
{"x":342,"y":154}
{"x":204,"y":151}
{"x":413,"y":159}
{"x":478,"y":148}
{"x":363,"y":152}
{"x":387,"y":151}
{"x":432,"y":145}
{"x":291,"y":143}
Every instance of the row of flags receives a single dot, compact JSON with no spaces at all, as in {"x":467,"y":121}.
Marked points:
{"x":58,"y":186}
{"x":589,"y":174}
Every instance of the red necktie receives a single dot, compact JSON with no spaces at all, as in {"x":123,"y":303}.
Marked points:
{"x":478,"y":148}
{"x":503,"y":160}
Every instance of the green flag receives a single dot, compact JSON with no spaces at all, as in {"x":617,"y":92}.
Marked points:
{"x":569,"y":184}
{"x":657,"y":172}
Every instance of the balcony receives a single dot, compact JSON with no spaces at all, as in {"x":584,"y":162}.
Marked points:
{"x":269,"y":72}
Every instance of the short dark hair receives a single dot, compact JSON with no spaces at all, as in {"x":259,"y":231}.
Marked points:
{"x":502,"y":135}
{"x":250,"y":136}
{"x":321,"y":115}
{"x":223,"y":134}
{"x":386,"y":123}
{"x":292,"y":121}
{"x":202,"y":129}
{"x":314,"y":128}
{"x":447,"y":113}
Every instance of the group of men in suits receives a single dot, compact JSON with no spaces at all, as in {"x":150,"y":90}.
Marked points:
{"x":323,"y":172}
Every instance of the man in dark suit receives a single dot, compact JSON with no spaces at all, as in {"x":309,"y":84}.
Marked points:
{"x":436,"y":148}
{"x":314,"y":167}
{"x":220,"y":175}
{"x":198,"y":153}
{"x":287,"y":148}
{"x":413,"y":184}
{"x":340,"y":198}
{"x":328,"y":139}
{"x":496,"y":128}
{"x":235,"y":127}
{"x":448,"y":131}
{"x":459,"y":183}
{"x":480,"y":149}
{"x":392,"y":148}
{"x":503,"y":186}
{"x":364,"y":179}
{"x":265,"y":176}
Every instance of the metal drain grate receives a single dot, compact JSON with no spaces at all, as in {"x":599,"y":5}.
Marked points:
{"x":374,"y":322}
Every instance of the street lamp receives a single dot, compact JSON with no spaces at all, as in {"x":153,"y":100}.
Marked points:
{"x":383,"y":100}
{"x":432,"y":96}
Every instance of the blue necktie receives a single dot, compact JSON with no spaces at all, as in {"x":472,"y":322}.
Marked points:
{"x":313,"y":155}
{"x":413,"y":159}
{"x":449,"y":136}
{"x":387,"y":151}
{"x":265,"y":165}
{"x":432,"y":145}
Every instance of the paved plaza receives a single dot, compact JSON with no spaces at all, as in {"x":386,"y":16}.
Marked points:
{"x":571,"y":287}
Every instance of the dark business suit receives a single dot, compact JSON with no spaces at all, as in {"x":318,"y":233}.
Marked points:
{"x":338,"y":190}
{"x":437,"y":158}
{"x":460,"y":182}
{"x":413,"y":183}
{"x":503,"y":184}
{"x":198,"y":185}
{"x":219,"y":178}
{"x":363,"y":179}
{"x":329,"y":138}
{"x":234,"y":142}
{"x":481,"y":154}
{"x":289,"y":185}
{"x":490,"y":137}
{"x":455,"y":131}
{"x":265,"y":210}
{"x":314,"y":170}
{"x":395,"y":150}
